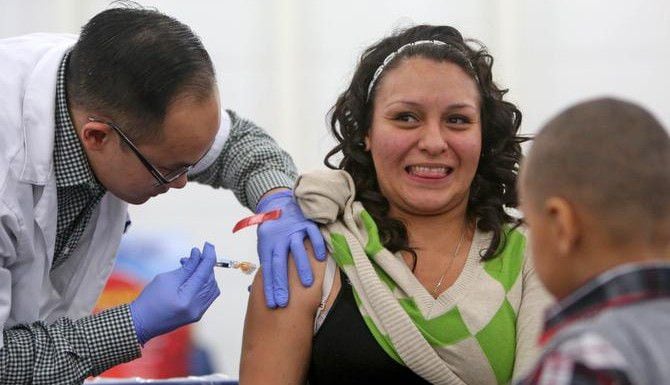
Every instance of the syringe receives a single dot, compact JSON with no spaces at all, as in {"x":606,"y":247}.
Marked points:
{"x":245,"y":267}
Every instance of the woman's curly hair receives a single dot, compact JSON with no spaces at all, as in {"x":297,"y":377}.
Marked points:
{"x":494,"y":185}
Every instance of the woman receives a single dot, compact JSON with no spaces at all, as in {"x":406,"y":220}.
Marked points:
{"x":432,"y":283}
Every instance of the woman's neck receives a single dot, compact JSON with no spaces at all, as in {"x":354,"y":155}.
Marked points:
{"x":436,"y":232}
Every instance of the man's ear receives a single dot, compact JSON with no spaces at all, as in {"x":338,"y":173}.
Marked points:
{"x":95,"y":136}
{"x":564,"y":224}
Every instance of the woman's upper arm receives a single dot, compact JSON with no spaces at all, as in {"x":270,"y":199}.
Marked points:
{"x":277,"y":343}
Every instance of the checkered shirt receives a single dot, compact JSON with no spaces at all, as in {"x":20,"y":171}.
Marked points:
{"x":250,"y":164}
{"x":68,"y":351}
{"x":78,"y":191}
{"x":588,"y":357}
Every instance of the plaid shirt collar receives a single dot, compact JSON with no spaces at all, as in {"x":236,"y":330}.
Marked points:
{"x":70,"y":162}
{"x":626,"y":284}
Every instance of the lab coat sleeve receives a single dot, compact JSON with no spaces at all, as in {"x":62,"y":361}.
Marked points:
{"x":9,"y":227}
{"x":249,"y":163}
{"x":67,"y":351}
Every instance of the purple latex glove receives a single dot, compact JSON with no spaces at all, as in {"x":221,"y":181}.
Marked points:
{"x":277,"y":237}
{"x":177,"y":297}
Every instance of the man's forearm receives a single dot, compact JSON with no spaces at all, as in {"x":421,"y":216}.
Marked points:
{"x":67,"y":351}
{"x":250,"y":164}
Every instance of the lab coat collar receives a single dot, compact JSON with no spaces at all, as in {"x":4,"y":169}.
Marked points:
{"x":38,"y":119}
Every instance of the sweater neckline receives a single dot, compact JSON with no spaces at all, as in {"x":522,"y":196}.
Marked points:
{"x":459,"y":289}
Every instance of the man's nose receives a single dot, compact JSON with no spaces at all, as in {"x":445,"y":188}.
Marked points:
{"x":179,"y":182}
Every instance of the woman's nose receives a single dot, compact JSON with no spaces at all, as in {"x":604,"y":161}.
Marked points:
{"x":433,"y":140}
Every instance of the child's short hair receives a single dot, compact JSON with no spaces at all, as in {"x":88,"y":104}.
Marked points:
{"x":611,"y":158}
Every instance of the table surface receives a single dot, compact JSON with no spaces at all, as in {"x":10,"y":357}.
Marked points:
{"x":213,"y":379}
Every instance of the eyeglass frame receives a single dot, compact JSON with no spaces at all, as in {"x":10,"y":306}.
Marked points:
{"x":161,"y":179}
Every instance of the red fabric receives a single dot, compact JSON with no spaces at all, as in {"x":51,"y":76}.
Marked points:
{"x":257,"y":219}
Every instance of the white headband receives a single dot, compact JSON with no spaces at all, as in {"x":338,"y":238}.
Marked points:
{"x":392,"y":56}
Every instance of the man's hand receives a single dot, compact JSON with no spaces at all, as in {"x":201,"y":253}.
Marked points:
{"x":176,"y":298}
{"x":277,"y":237}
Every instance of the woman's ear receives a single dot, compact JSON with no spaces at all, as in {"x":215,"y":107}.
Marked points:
{"x":366,"y":141}
{"x":564,"y":224}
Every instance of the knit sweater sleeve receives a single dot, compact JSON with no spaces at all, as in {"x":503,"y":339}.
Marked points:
{"x":534,"y":301}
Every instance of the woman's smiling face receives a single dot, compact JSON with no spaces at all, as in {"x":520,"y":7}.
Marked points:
{"x":425,"y":138}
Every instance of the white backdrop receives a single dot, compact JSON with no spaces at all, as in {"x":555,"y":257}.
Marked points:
{"x":283,"y":63}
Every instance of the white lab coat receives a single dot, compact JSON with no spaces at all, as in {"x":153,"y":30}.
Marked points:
{"x":29,"y":291}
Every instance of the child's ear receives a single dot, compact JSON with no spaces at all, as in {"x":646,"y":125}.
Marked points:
{"x":564,"y":224}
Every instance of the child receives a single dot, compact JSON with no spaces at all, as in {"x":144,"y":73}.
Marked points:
{"x":595,"y":191}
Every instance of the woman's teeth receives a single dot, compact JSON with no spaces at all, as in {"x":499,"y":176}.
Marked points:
{"x":429,"y":171}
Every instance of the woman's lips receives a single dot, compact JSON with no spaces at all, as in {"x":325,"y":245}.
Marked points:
{"x":429,"y":171}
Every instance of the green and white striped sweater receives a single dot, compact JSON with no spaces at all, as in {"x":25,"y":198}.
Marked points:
{"x":482,"y":330}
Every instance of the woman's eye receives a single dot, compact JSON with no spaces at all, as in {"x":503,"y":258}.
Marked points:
{"x":458,"y":120}
{"x":406,"y":117}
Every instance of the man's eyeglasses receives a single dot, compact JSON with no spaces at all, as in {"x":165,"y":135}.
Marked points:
{"x":162,"y":179}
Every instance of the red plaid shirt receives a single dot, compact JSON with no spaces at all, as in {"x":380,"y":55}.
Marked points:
{"x":588,"y":358}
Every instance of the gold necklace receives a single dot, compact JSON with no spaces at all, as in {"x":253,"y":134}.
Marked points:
{"x":451,"y":262}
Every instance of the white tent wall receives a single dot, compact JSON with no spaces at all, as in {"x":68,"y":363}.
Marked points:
{"x":283,"y":63}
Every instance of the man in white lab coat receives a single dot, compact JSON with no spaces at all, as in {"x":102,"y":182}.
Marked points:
{"x":121,"y":114}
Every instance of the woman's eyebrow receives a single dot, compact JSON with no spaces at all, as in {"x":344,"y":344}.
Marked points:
{"x":462,"y":105}
{"x":417,"y":104}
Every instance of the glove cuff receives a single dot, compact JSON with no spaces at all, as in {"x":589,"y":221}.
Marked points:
{"x":268,"y":200}
{"x":142,"y":336}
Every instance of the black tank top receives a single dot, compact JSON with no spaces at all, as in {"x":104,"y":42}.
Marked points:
{"x":345,"y":352}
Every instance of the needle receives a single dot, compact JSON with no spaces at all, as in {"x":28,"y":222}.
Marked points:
{"x":245,"y":267}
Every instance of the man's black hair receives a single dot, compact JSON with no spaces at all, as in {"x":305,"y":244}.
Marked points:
{"x":130,"y":63}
